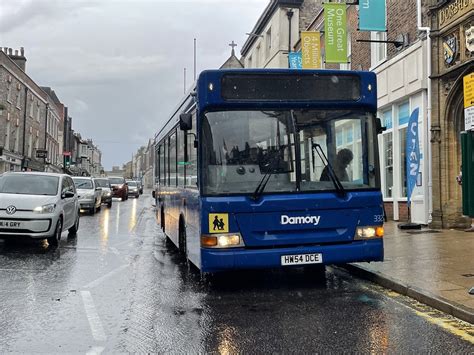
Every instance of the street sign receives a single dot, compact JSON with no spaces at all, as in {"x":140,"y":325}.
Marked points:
{"x":469,"y":102}
{"x":335,"y":32}
{"x":41,"y":153}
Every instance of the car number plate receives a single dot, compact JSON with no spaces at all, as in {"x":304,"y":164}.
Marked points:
{"x":10,"y":224}
{"x":302,"y":259}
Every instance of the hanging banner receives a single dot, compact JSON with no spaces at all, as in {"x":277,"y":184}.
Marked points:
{"x":294,"y":59}
{"x":311,"y":49}
{"x":335,"y":32}
{"x":468,"y":102}
{"x":412,"y":151}
{"x":372,"y":15}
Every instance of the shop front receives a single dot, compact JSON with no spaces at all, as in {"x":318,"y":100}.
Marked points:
{"x":453,"y":58}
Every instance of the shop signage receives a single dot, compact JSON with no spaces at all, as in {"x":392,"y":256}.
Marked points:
{"x":41,"y":153}
{"x":335,"y":32}
{"x":468,"y":81}
{"x":372,"y":15}
{"x":412,"y":153}
{"x":453,"y":11}
{"x":311,"y":50}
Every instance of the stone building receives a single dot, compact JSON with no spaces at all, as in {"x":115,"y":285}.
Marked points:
{"x":22,"y":114}
{"x":402,"y":79}
{"x":452,"y":32}
{"x":275,"y":32}
{"x":54,"y":132}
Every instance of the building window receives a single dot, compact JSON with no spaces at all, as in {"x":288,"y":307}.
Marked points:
{"x":7,"y":136}
{"x":18,"y":100}
{"x":9,"y":93}
{"x":378,"y":51}
{"x":403,"y":117}
{"x":38,"y":110}
{"x":268,"y":40}
{"x":30,"y":146}
{"x":257,"y":57}
{"x":32,"y":106}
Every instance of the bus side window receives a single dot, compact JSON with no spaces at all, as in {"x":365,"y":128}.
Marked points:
{"x":157,"y":164}
{"x":191,"y":164}
{"x":172,"y":159}
{"x":162,"y":169}
{"x":181,"y":161}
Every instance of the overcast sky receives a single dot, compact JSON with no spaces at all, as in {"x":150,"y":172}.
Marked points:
{"x":118,"y":64}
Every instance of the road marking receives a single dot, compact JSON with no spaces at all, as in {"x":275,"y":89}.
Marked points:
{"x":93,"y":317}
{"x":448,"y":322}
{"x":98,"y":281}
{"x":96,"y":350}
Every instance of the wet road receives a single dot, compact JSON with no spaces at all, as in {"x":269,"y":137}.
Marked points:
{"x":120,"y":287}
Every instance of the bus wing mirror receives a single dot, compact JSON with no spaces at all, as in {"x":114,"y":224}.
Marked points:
{"x":378,"y":126}
{"x":185,"y":122}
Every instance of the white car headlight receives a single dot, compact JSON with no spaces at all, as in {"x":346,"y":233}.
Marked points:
{"x":45,"y":208}
{"x":369,"y":232}
{"x":224,"y":240}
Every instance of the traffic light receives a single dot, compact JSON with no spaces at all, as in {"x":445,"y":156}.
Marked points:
{"x":67,"y":161}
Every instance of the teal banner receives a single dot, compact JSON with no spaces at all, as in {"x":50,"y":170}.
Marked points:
{"x":372,"y":15}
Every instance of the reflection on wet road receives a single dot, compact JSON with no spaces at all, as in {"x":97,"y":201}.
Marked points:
{"x":120,"y":287}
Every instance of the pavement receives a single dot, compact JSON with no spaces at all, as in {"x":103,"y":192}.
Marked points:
{"x":435,"y":267}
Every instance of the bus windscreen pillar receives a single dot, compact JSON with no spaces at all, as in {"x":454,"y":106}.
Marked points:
{"x":467,"y":150}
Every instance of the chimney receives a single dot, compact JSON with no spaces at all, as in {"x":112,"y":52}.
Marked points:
{"x":18,"y":58}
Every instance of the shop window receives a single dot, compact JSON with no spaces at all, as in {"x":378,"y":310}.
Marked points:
{"x":388,"y":164}
{"x":403,"y":113}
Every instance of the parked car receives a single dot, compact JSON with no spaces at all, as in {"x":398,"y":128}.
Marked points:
{"x":90,"y":195}
{"x":104,"y":184}
{"x":38,"y":205}
{"x":119,"y":187}
{"x":133,"y":189}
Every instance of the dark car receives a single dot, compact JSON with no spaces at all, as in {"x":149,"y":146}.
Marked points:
{"x":133,"y":188}
{"x":119,"y":187}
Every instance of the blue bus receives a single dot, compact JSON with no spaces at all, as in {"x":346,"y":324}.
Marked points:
{"x":269,"y":168}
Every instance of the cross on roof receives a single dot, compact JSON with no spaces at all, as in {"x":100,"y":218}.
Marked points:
{"x":232,"y":45}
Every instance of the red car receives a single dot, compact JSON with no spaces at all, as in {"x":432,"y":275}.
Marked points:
{"x":119,"y":187}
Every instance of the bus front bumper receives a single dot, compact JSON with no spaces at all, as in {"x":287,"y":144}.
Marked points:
{"x":213,"y":260}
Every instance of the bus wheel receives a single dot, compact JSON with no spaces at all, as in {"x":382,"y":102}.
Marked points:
{"x":182,"y":239}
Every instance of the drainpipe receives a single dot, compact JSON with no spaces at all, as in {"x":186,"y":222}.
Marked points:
{"x":427,"y":30}
{"x":289,"y":14}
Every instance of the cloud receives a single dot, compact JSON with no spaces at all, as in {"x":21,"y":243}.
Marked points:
{"x":118,"y":64}
{"x":74,"y":66}
{"x":20,"y":13}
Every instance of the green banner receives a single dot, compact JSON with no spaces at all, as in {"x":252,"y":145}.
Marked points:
{"x":335,"y":32}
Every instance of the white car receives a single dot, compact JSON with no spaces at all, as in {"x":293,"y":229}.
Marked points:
{"x":90,"y":195}
{"x":38,"y":205}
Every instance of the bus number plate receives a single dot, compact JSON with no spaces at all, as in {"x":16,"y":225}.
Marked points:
{"x":302,"y":259}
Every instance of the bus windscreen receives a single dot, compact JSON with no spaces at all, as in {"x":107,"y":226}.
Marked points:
{"x":275,"y":87}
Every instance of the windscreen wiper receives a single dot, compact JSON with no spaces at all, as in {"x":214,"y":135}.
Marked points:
{"x":332,"y":174}
{"x":271,"y":170}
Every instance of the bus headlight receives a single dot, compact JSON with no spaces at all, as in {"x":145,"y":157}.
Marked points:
{"x":368,"y":232}
{"x":224,"y":240}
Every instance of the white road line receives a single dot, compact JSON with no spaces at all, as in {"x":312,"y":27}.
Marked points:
{"x":93,"y":317}
{"x":98,"y":281}
{"x":96,"y":350}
